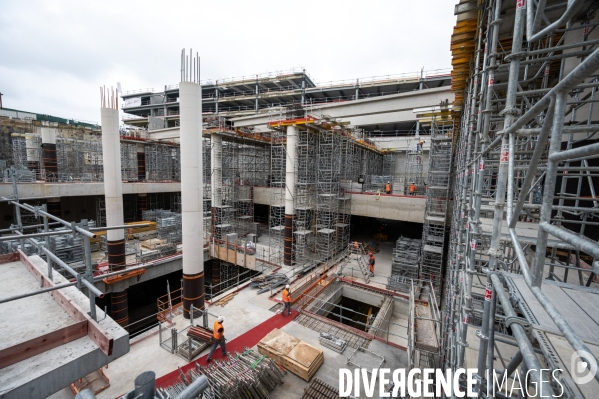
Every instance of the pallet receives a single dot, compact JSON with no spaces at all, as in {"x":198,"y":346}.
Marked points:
{"x":293,"y":354}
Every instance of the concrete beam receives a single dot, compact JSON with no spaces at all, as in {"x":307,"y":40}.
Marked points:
{"x":392,"y":207}
{"x":407,"y":209}
{"x":367,"y":111}
{"x":36,"y":190}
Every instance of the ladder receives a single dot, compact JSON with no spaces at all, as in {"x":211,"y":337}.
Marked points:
{"x":360,"y":252}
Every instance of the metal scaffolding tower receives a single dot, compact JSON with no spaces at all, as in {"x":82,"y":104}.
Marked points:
{"x":521,"y":287}
{"x":305,"y":200}
{"x":276,"y":222}
{"x":413,"y":170}
{"x":437,"y":199}
{"x":327,"y":192}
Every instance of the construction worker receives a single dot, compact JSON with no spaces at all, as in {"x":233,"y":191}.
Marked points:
{"x":419,"y":146}
{"x":388,"y":188}
{"x":218,"y":338}
{"x":371,"y":263}
{"x":412,"y":188}
{"x":287,"y":300}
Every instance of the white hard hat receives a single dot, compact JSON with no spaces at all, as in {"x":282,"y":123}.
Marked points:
{"x":221,"y":319}
{"x":287,"y":286}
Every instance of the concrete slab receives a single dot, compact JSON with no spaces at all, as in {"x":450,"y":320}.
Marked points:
{"x":19,"y":325}
{"x":49,"y":372}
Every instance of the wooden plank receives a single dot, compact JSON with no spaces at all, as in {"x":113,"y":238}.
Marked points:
{"x":6,"y":258}
{"x":43,"y":343}
{"x":102,"y":338}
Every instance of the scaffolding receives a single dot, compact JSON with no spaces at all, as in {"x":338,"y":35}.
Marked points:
{"x":79,"y":160}
{"x":523,"y":239}
{"x":129,"y":162}
{"x":304,"y":200}
{"x":27,"y":155}
{"x":413,"y":170}
{"x":163,"y":162}
{"x":327,"y":193}
{"x":276,"y":220}
{"x":437,"y":199}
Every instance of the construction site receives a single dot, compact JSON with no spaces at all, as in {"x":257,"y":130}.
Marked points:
{"x":439,"y":219}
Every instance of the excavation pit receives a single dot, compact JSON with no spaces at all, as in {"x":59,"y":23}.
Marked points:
{"x":353,"y":313}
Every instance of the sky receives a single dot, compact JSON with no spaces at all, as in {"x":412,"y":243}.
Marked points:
{"x":55,"y":54}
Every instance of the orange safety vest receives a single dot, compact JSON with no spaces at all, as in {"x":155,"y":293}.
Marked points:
{"x":219,"y":330}
{"x":387,"y":187}
{"x":286,"y":296}
{"x":412,"y":188}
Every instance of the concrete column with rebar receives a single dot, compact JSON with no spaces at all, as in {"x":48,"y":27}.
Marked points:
{"x":190,"y":100}
{"x":113,"y":194}
{"x":291,"y":156}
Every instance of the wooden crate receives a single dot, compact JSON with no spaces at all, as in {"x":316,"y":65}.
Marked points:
{"x":303,"y":360}
{"x":295,"y":355}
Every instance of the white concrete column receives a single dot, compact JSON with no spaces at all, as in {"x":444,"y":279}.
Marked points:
{"x":216,"y":164}
{"x":113,"y":182}
{"x":48,"y":135}
{"x":190,"y":105}
{"x":291,"y":156}
{"x":290,"y":159}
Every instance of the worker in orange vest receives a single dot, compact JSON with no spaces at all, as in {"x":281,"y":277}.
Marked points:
{"x":287,"y":300}
{"x":388,"y":188}
{"x":371,"y":264}
{"x":413,"y":188}
{"x":218,"y":338}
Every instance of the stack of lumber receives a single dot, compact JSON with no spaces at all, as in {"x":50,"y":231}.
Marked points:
{"x":290,"y":352}
{"x":153,"y":243}
{"x":223,"y":301}
{"x":199,"y":333}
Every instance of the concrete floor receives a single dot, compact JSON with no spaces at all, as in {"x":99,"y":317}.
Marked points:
{"x":245,"y":311}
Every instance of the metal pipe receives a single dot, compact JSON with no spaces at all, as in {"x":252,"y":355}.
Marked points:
{"x":586,"y":151}
{"x":573,"y":6}
{"x":526,"y":349}
{"x":564,"y":327}
{"x":43,"y":290}
{"x":549,"y":188}
{"x":583,"y":70}
{"x":50,"y":216}
{"x":536,"y":156}
{"x":38,"y":235}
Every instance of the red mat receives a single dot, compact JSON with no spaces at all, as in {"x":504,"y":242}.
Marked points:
{"x":247,"y":339}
